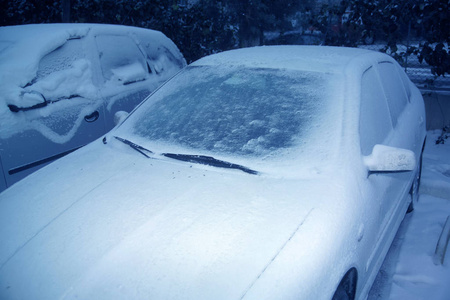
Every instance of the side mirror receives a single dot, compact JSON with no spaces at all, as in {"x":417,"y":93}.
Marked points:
{"x":390,"y":159}
{"x":119,"y":117}
{"x":28,"y":101}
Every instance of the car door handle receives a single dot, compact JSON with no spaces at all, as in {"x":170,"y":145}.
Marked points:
{"x":92,"y":117}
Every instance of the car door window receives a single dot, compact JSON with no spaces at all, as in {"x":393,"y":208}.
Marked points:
{"x":63,"y":74}
{"x":61,"y":58}
{"x":375,"y":122}
{"x":393,"y":89}
{"x":406,"y":83}
{"x":162,"y":61}
{"x":121,"y":60}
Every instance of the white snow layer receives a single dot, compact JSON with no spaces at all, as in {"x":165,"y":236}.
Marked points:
{"x":26,"y":76}
{"x":18,"y":67}
{"x":408,"y":271}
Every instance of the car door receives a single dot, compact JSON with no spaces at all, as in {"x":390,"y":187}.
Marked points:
{"x":133,"y":64}
{"x":125,"y":75}
{"x":402,"y":136}
{"x":385,"y":190}
{"x":62,"y":113}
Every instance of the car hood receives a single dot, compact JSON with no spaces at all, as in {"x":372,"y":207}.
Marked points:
{"x":124,"y":226}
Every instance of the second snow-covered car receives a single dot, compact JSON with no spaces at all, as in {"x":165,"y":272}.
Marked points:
{"x":61,"y":84}
{"x":262,"y":173}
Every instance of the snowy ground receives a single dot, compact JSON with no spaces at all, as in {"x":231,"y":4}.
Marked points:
{"x":408,"y":271}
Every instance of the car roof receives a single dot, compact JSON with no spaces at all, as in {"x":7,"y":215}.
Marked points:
{"x":20,"y":32}
{"x":22,"y":46}
{"x":306,"y":58}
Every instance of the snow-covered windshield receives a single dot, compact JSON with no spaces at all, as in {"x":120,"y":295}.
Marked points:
{"x":232,"y":110}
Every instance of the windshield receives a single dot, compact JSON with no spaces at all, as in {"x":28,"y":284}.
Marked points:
{"x":233,"y":111}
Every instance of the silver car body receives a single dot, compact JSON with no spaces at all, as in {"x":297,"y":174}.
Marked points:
{"x":310,"y":219}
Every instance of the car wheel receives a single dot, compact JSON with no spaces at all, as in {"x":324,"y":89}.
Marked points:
{"x":347,"y":287}
{"x":414,"y":190}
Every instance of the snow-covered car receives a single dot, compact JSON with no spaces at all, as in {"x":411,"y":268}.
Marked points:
{"x":278,"y":172}
{"x":61,"y":84}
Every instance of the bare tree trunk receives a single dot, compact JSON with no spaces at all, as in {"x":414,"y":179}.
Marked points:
{"x":66,"y":11}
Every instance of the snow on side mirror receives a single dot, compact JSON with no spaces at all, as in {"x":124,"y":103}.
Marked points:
{"x":129,"y":73}
{"x":390,"y":159}
{"x":119,"y":117}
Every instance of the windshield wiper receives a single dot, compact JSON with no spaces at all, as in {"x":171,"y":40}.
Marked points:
{"x":209,"y":160}
{"x":136,"y":147}
{"x":200,"y":159}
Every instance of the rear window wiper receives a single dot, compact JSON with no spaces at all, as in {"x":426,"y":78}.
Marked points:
{"x":136,"y":147}
{"x":210,"y":161}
